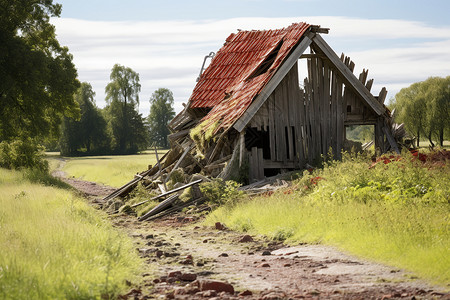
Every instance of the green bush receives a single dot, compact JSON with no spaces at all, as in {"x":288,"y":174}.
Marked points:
{"x":220,"y":192}
{"x":22,"y":153}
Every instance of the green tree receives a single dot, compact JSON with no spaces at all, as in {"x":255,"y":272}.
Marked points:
{"x":437,"y":95}
{"x":122,"y":96}
{"x":88,"y":134}
{"x":424,"y":108}
{"x":410,"y":108}
{"x":136,"y":132}
{"x":161,"y":112}
{"x":37,"y":76}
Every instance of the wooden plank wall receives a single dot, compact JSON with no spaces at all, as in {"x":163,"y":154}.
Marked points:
{"x":305,"y":123}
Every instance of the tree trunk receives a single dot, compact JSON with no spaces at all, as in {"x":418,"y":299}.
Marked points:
{"x":123,"y":138}
{"x":418,"y":138}
{"x":441,"y":136}
{"x":429,"y":139}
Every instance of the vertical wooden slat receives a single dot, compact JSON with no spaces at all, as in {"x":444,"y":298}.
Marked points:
{"x":260,"y":164}
{"x":334,"y":112}
{"x":326,"y":103}
{"x":340,"y":117}
{"x":241,"y":147}
{"x":278,"y":120}
{"x":271,"y":108}
{"x":300,"y":125}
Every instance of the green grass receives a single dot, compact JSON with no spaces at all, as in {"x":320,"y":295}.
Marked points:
{"x":113,"y":170}
{"x":54,"y":246}
{"x":397,"y":214}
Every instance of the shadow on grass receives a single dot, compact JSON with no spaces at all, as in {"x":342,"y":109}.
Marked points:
{"x":44,"y":178}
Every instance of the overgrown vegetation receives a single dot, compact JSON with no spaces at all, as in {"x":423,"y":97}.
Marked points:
{"x":54,"y":246}
{"x":22,"y":153}
{"x":221,"y":192}
{"x":397,"y":213}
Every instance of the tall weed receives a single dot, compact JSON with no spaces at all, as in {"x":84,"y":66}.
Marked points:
{"x":54,"y":246}
{"x":397,"y":213}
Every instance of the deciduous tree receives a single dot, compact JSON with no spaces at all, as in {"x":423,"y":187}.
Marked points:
{"x":37,"y":76}
{"x":126,"y":124}
{"x":88,"y":134}
{"x":424,"y":108}
{"x":161,"y":112}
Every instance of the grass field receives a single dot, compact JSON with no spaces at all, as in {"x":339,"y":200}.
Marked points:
{"x":54,"y":246}
{"x":397,"y":214}
{"x":109,"y":170}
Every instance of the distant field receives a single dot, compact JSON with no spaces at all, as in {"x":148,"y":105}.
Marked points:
{"x":112,"y":170}
{"x":426,"y":144}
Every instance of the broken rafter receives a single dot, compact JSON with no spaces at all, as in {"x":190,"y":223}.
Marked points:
{"x":168,"y":192}
{"x":159,"y":208}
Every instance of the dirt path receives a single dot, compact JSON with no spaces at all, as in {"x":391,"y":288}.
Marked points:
{"x":186,"y":261}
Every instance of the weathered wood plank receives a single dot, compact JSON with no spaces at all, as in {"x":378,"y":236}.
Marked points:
{"x":391,"y":140}
{"x":326,"y":102}
{"x":260,"y":164}
{"x":333,"y":112}
{"x":382,"y":95}
{"x":369,"y":84}
{"x":168,"y":193}
{"x":241,"y":147}
{"x":348,"y":75}
{"x":340,"y":117}
{"x":272,"y":134}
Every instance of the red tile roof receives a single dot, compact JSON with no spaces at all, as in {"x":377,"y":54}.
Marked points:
{"x":228,"y":85}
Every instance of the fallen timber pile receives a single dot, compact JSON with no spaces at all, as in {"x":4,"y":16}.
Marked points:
{"x":171,"y":170}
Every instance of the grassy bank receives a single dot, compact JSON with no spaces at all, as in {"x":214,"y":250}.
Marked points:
{"x":54,"y":246}
{"x":397,"y":213}
{"x":110,"y":170}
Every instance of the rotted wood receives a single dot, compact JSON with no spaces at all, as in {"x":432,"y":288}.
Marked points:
{"x":126,"y":188}
{"x":166,"y":212}
{"x":391,"y":140}
{"x":218,"y":163}
{"x":159,"y":163}
{"x":168,"y":193}
{"x":177,"y":164}
{"x":191,"y":156}
{"x":217,"y":148}
{"x":382,"y":95}
{"x":160,"y":207}
{"x":178,"y":135}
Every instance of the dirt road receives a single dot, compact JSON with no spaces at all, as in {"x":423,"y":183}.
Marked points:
{"x":184,"y":260}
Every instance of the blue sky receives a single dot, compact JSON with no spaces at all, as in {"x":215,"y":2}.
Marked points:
{"x":399,"y":41}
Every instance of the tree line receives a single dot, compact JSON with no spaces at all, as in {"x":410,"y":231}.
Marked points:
{"x":118,"y":128}
{"x":424,"y":107}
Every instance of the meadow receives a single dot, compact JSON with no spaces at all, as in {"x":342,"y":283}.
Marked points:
{"x":55,"y":246}
{"x":396,"y":213}
{"x":110,"y":170}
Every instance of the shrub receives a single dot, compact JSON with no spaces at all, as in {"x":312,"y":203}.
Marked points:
{"x":22,"y":153}
{"x":220,"y":192}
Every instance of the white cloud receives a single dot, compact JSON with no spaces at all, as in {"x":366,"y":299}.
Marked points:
{"x":170,"y":53}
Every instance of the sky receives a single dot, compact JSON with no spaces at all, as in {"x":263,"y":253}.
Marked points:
{"x":165,"y":41}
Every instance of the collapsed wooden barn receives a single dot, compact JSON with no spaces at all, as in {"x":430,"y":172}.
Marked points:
{"x":250,"y":113}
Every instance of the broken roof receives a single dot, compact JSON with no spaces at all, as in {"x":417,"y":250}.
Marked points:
{"x":239,"y":71}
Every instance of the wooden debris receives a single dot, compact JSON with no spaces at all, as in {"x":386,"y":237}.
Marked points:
{"x":160,"y":207}
{"x":168,"y":192}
